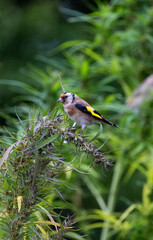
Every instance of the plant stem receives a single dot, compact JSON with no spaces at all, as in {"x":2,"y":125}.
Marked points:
{"x":112,"y":195}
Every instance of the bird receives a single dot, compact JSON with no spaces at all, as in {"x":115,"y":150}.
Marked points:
{"x":80,"y":111}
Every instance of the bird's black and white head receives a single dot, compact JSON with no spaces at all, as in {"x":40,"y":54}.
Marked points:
{"x":66,"y":98}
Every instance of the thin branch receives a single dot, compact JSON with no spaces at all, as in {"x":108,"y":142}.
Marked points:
{"x":61,"y":83}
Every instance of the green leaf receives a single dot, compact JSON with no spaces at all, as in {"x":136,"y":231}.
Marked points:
{"x":6,"y":185}
{"x":47,"y":141}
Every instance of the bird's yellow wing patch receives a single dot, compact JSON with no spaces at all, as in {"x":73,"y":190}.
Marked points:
{"x":92,"y":111}
{"x":89,"y":110}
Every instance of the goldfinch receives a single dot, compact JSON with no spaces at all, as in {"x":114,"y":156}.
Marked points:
{"x":80,"y":111}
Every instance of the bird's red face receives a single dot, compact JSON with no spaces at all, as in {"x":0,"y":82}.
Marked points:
{"x":63,"y":98}
{"x":67,"y":98}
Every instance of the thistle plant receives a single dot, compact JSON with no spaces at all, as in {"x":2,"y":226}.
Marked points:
{"x":30,"y":177}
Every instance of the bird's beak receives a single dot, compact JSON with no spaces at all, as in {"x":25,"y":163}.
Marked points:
{"x":59,"y":100}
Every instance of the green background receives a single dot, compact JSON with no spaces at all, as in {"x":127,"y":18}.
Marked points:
{"x":103,"y":51}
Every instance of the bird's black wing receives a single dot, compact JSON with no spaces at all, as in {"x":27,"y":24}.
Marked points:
{"x":89,"y":110}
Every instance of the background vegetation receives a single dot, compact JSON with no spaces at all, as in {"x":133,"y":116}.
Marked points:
{"x":103,"y":51}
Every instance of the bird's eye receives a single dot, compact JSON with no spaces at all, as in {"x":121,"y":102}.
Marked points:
{"x":64,"y":98}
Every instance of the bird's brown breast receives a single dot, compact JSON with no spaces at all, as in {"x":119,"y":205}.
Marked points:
{"x":70,"y":110}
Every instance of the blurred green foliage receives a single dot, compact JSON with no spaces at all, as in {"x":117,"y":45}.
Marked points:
{"x":32,"y":180}
{"x":113,"y":58}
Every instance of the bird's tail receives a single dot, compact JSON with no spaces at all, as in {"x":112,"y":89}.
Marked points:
{"x":108,"y":122}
